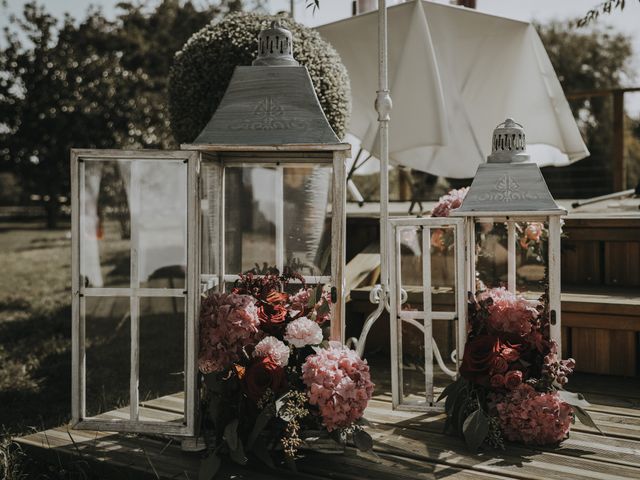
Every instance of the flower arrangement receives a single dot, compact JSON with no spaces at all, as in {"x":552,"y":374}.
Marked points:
{"x":271,"y":377}
{"x":511,"y":380}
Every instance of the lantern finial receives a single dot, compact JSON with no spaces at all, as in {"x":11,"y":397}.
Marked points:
{"x":275,"y":47}
{"x":509,"y":144}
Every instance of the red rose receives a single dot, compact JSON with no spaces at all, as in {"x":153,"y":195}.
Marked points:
{"x":262,"y":374}
{"x":270,"y":314}
{"x":478,"y":359}
{"x":512,"y":379}
{"x":499,"y":365}
{"x":510,"y":354}
{"x":497,"y":381}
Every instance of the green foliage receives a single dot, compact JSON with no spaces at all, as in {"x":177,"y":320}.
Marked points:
{"x":93,"y":84}
{"x":594,"y":13}
{"x":589,"y":60}
{"x":204,"y":66}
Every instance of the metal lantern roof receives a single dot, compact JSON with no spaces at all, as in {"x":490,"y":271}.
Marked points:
{"x":269,"y":103}
{"x":507,"y":184}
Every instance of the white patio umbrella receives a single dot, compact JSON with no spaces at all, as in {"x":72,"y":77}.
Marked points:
{"x":454,"y":74}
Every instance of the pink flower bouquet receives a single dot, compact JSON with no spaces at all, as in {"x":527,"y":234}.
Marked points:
{"x":511,"y":379}
{"x":270,"y":372}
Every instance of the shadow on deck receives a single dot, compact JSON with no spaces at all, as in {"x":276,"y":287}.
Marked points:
{"x":409,"y":445}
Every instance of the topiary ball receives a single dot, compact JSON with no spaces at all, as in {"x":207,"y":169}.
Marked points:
{"x":202,"y":70}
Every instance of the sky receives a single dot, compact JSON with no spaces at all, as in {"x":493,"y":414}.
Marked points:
{"x":627,"y":21}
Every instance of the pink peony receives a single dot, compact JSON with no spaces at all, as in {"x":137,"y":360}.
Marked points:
{"x":534,"y":231}
{"x":228,"y":323}
{"x":449,"y":202}
{"x":300,"y":300}
{"x":338,"y":383}
{"x":302,"y":332}
{"x":274,"y":348}
{"x":509,"y":313}
{"x":323,"y":307}
{"x":532,"y":417}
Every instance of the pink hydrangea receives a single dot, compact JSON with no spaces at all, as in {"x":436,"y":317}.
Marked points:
{"x":300,"y":300}
{"x":228,"y":323}
{"x":509,"y":313}
{"x":338,"y":383}
{"x":302,"y":332}
{"x":274,"y":348}
{"x":449,"y":202}
{"x":532,"y":417}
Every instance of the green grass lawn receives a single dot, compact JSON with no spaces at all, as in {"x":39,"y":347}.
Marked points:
{"x":35,"y":337}
{"x":35,"y":342}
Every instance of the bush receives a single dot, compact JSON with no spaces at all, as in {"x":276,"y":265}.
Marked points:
{"x":202,"y":70}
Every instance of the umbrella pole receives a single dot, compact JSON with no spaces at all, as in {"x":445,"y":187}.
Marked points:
{"x":383,"y":107}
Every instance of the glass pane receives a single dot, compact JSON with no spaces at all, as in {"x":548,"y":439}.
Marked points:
{"x":413,"y":371}
{"x":155,"y":192}
{"x":108,"y":347}
{"x":443,"y":298}
{"x":531,"y":257}
{"x":210,"y":219}
{"x":307,"y":223}
{"x":158,"y":197}
{"x":162,"y":323}
{"x":491,"y":255}
{"x":105,"y":243}
{"x":411,"y":266}
{"x":443,"y":269}
{"x":250,"y":218}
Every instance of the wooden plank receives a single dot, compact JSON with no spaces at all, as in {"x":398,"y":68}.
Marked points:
{"x":518,"y":462}
{"x":598,"y":350}
{"x":622,"y":263}
{"x":604,"y":233}
{"x":582,"y":443}
{"x":361,"y":267}
{"x":605,"y":322}
{"x":385,"y":467}
{"x":580,"y":262}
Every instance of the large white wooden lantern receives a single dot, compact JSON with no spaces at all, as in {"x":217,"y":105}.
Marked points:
{"x":506,"y":234}
{"x":261,"y":187}
{"x":509,"y":193}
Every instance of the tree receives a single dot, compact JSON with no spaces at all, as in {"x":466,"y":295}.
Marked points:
{"x":93,"y":84}
{"x":203,"y":68}
{"x":603,"y":8}
{"x":588,"y":60}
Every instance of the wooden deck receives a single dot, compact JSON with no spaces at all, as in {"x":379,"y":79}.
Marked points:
{"x":408,"y":446}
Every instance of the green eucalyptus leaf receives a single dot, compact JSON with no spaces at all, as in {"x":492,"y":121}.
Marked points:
{"x":261,"y":451}
{"x":209,"y":466}
{"x":573,"y":399}
{"x":238,"y":454}
{"x":585,"y":418}
{"x":231,"y":435}
{"x":449,"y":389}
{"x":362,"y":440}
{"x":475,"y":429}
{"x":261,"y":422}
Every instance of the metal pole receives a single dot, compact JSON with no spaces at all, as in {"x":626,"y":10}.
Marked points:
{"x":383,"y":106}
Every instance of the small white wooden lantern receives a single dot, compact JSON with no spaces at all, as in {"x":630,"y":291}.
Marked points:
{"x":509,"y":190}
{"x":262,"y":186}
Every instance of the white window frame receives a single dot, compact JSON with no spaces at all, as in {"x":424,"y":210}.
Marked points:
{"x":278,"y":161}
{"x":553,"y":221}
{"x":190,"y":293}
{"x":427,"y":315}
